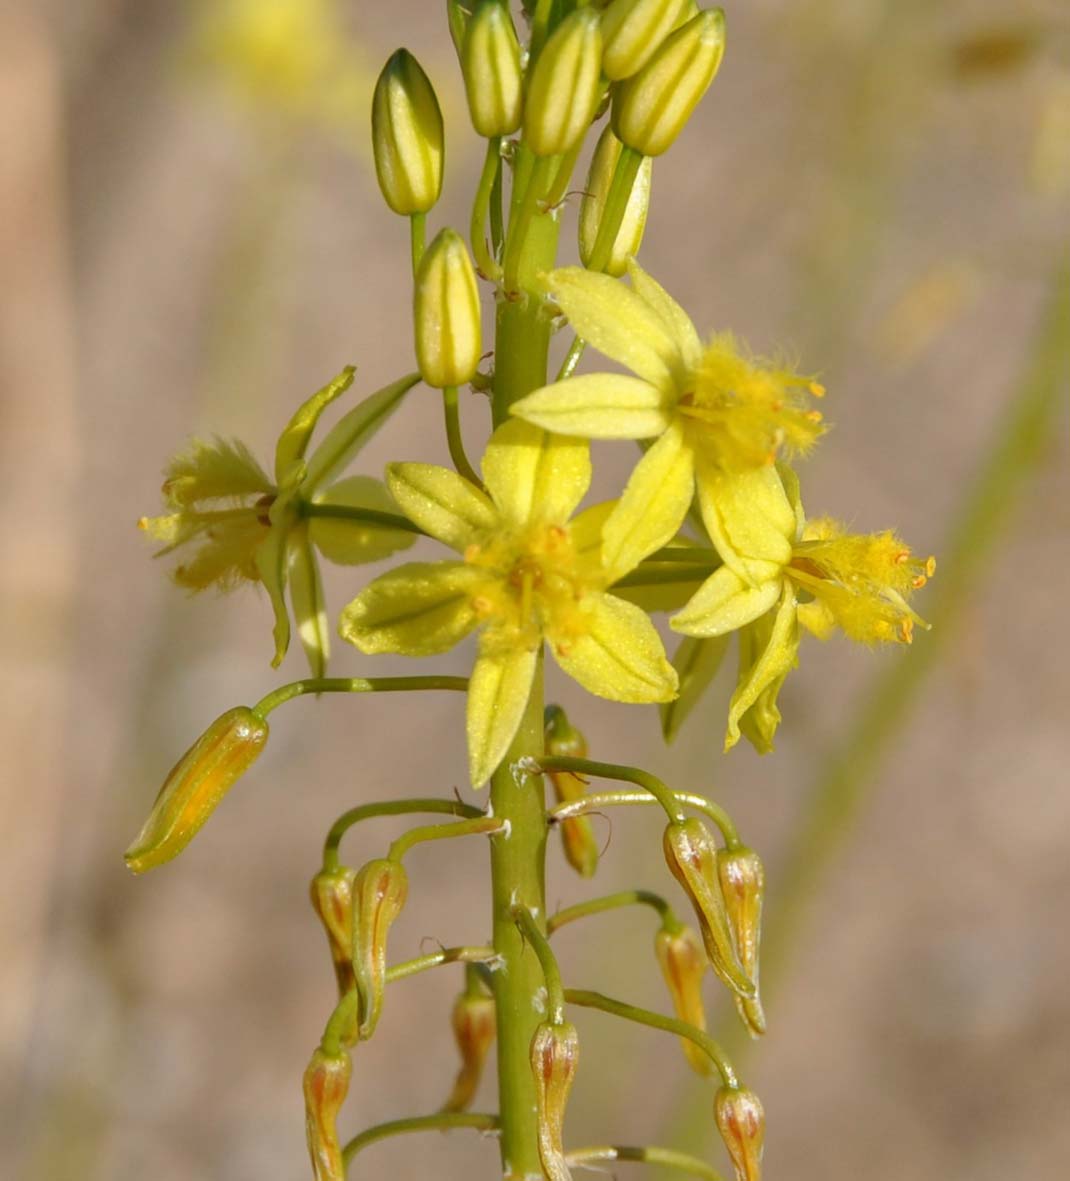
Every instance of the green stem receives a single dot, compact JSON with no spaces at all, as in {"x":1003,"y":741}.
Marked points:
{"x":647,"y":1155}
{"x":318,"y":685}
{"x":497,"y":225}
{"x":386,"y":808}
{"x":562,"y":176}
{"x":492,"y":166}
{"x":441,"y":1121}
{"x":454,"y":438}
{"x":620,"y":190}
{"x":417,"y":234}
{"x":572,"y":359}
{"x":596,"y":1000}
{"x":555,"y":995}
{"x":444,"y":832}
{"x":651,"y":783}
{"x":362,"y":516}
{"x":593,"y":906}
{"x":608,"y":799}
{"x":448,"y":955}
{"x":520,"y":224}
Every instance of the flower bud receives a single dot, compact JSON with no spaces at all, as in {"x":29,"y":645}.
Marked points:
{"x":595,"y":195}
{"x":198,"y":781}
{"x":692,"y":858}
{"x":741,"y":1122}
{"x":379,"y":892}
{"x":555,"y":1053}
{"x":474,"y":1027}
{"x":742,"y":880}
{"x":632,"y":30}
{"x":326,"y":1084}
{"x":577,"y":834}
{"x":651,"y":108}
{"x":407,"y":136}
{"x":683,"y":963}
{"x":332,"y":900}
{"x":457,"y":17}
{"x":446,"y":313}
{"x":565,"y":86}
{"x":490,"y":62}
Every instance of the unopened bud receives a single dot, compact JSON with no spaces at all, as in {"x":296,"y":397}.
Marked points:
{"x":632,"y":30}
{"x":490,"y":62}
{"x":196,"y":784}
{"x":683,"y":963}
{"x":595,"y":195}
{"x":474,"y":1027}
{"x":379,"y":892}
{"x":446,"y":313}
{"x":326,"y":1084}
{"x":565,"y":86}
{"x":457,"y":17}
{"x":555,"y":1054}
{"x":651,"y":108}
{"x":577,"y":833}
{"x":332,"y":900}
{"x":741,"y":1122}
{"x":742,"y":879}
{"x":691,"y":855}
{"x":407,"y":136}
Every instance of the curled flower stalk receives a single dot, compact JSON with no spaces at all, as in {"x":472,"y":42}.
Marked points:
{"x":529,"y":567}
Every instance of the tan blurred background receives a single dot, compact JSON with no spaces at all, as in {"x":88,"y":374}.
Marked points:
{"x":189,"y":244}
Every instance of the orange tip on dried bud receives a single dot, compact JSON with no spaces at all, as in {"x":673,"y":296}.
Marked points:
{"x":326,"y":1084}
{"x":652,"y":107}
{"x":555,"y":1054}
{"x":577,"y":833}
{"x":683,"y":963}
{"x":198,"y":781}
{"x":446,"y":313}
{"x":632,"y":31}
{"x":741,"y":1122}
{"x":691,"y":855}
{"x":407,"y":137}
{"x":565,"y":86}
{"x":742,"y":879}
{"x":332,"y":900}
{"x":474,"y":1026}
{"x":595,"y":195}
{"x":379,"y":892}
{"x":490,"y":63}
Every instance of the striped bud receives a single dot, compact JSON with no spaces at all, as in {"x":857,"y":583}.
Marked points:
{"x":651,"y":108}
{"x":595,"y":194}
{"x":577,"y":834}
{"x":331,"y":892}
{"x":446,"y":313}
{"x":741,"y":1122}
{"x":379,"y":892}
{"x":555,"y":1054}
{"x":632,"y":30}
{"x":683,"y":963}
{"x":407,"y":136}
{"x":326,"y":1084}
{"x":474,"y":1026}
{"x":195,"y":786}
{"x":493,"y":79}
{"x":742,"y":880}
{"x":565,"y":86}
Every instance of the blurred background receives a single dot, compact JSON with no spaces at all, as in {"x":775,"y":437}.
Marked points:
{"x":192,"y":241}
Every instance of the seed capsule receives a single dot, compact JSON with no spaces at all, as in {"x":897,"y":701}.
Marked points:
{"x":577,"y":834}
{"x":407,"y":137}
{"x":474,"y":1026}
{"x":555,"y":1053}
{"x":651,"y":108}
{"x":595,"y":195}
{"x":741,"y":1122}
{"x":379,"y":892}
{"x":632,"y":31}
{"x":742,"y":879}
{"x":446,"y":313}
{"x":683,"y":963}
{"x":196,"y":784}
{"x":493,"y":79}
{"x":326,"y":1084}
{"x":332,"y":900}
{"x":565,"y":86}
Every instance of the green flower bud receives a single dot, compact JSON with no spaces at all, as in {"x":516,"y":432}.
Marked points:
{"x":596,"y":192}
{"x":332,"y":900}
{"x":577,"y":834}
{"x":379,"y":892}
{"x":555,"y":1054}
{"x":446,"y":313}
{"x":565,"y":86}
{"x":490,"y":62}
{"x":651,"y":108}
{"x":457,"y":17}
{"x":407,"y":136}
{"x":683,"y":963}
{"x":326,"y":1084}
{"x":632,"y":30}
{"x":741,"y":1122}
{"x":742,"y":880}
{"x":474,"y":1026}
{"x":198,"y":781}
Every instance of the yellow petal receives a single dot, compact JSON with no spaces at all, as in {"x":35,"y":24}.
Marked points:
{"x":272,"y":558}
{"x":498,"y":692}
{"x":310,"y":608}
{"x":294,"y":440}
{"x":441,"y":502}
{"x":696,"y":663}
{"x":352,"y":543}
{"x":417,"y":610}
{"x":725,"y":603}
{"x":617,"y":653}
{"x":676,"y":319}
{"x":790,"y":480}
{"x":533,"y":475}
{"x":773,"y":663}
{"x":599,"y":406}
{"x":221,"y":470}
{"x":610,"y":316}
{"x":585,"y":529}
{"x":653,"y":506}
{"x":748,"y":518}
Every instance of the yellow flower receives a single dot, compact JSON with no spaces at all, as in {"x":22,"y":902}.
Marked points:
{"x":527,"y":573}
{"x":829,"y":578}
{"x":251,"y":528}
{"x":717,"y":413}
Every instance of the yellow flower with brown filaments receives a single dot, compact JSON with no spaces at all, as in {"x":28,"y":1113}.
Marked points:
{"x":527,"y":573}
